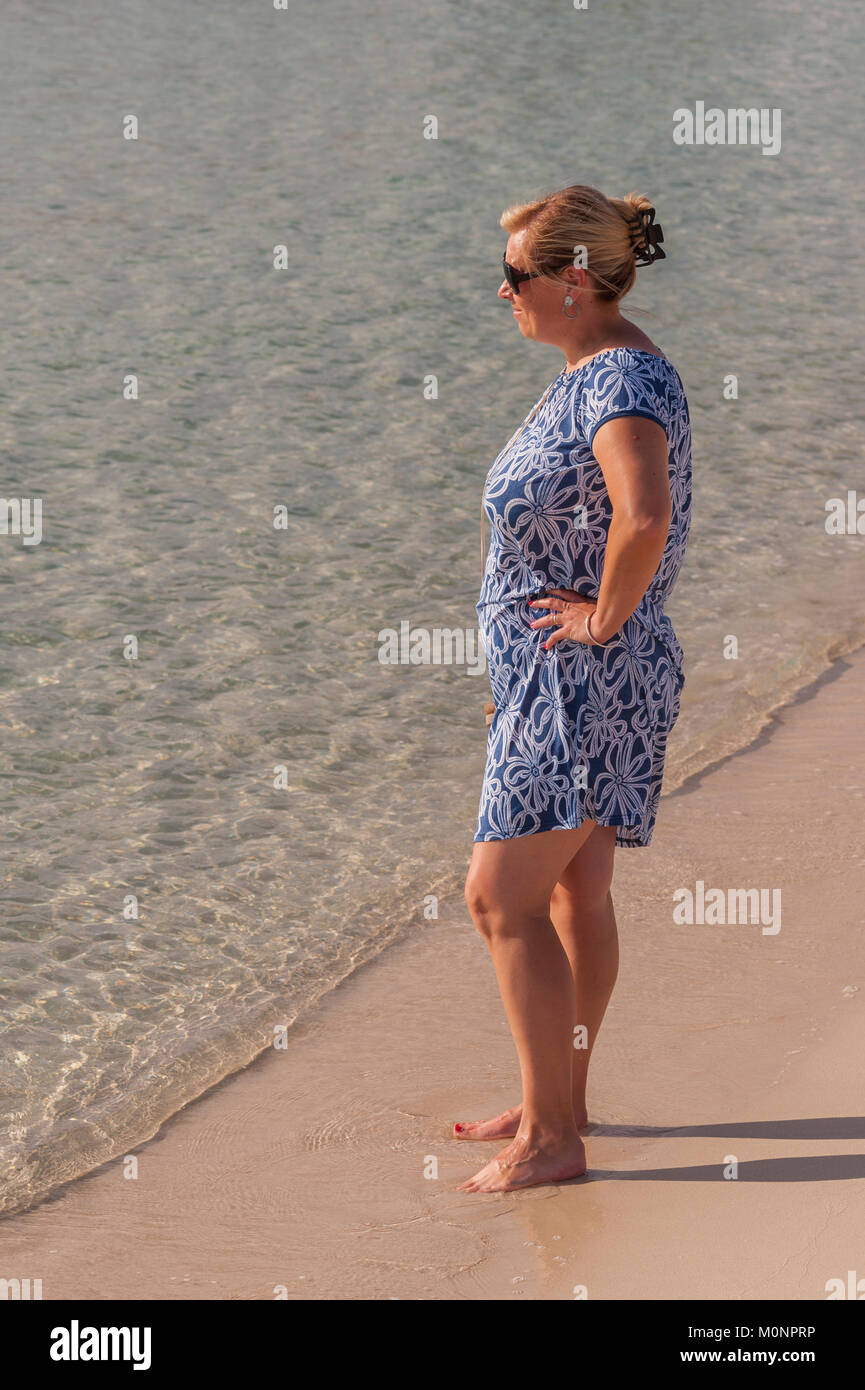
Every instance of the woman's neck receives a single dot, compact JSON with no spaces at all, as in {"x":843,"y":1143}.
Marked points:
{"x":586,"y":340}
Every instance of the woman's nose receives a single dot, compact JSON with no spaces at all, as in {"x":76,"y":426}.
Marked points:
{"x":505,"y":291}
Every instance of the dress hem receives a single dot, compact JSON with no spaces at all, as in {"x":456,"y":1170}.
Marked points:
{"x":614,"y":824}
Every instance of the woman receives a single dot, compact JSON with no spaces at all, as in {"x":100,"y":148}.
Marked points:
{"x":590,"y":508}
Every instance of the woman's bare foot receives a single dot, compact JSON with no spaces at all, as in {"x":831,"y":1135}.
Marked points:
{"x":504,"y":1126}
{"x":528,"y":1161}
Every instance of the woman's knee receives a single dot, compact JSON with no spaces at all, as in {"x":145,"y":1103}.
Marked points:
{"x":494,"y":907}
{"x":480,"y":899}
{"x":582,"y":896}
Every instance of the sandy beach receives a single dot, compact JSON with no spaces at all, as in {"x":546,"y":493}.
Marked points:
{"x":326,"y":1170}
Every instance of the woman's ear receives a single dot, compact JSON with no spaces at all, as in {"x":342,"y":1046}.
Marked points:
{"x":575,"y":275}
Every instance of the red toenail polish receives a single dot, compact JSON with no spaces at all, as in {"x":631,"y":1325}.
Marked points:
{"x":458,"y":1128}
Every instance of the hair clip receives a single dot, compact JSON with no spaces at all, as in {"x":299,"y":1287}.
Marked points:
{"x":647,"y":238}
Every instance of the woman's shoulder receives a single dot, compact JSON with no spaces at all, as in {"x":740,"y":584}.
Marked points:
{"x":627,"y":381}
{"x":629,"y":368}
{"x":642,"y":361}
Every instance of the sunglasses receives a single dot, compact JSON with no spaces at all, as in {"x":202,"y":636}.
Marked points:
{"x":516,"y":277}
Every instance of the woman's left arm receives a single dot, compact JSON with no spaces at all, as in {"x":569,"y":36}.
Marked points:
{"x":632,"y":453}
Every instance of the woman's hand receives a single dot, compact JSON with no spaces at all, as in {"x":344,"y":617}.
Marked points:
{"x":567,"y":616}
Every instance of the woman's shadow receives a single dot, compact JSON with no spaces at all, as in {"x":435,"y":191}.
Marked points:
{"x":807,"y":1168}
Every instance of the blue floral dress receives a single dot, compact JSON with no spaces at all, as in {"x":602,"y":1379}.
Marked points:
{"x":579,"y":731}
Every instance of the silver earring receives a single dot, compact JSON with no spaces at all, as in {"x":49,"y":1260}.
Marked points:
{"x":566,"y":304}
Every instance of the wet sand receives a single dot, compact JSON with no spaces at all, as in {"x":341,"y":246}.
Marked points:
{"x":326,"y":1170}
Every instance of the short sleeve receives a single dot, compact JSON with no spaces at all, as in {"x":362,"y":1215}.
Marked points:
{"x":624,"y":383}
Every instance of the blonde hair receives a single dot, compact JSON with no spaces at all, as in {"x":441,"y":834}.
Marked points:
{"x":612,"y":230}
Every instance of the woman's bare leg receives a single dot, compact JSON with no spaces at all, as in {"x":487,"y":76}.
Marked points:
{"x":508,"y":890}
{"x":581,"y":910}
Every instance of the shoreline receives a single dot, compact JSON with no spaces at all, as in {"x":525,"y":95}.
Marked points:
{"x":798,"y":694}
{"x":307,"y":1169}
